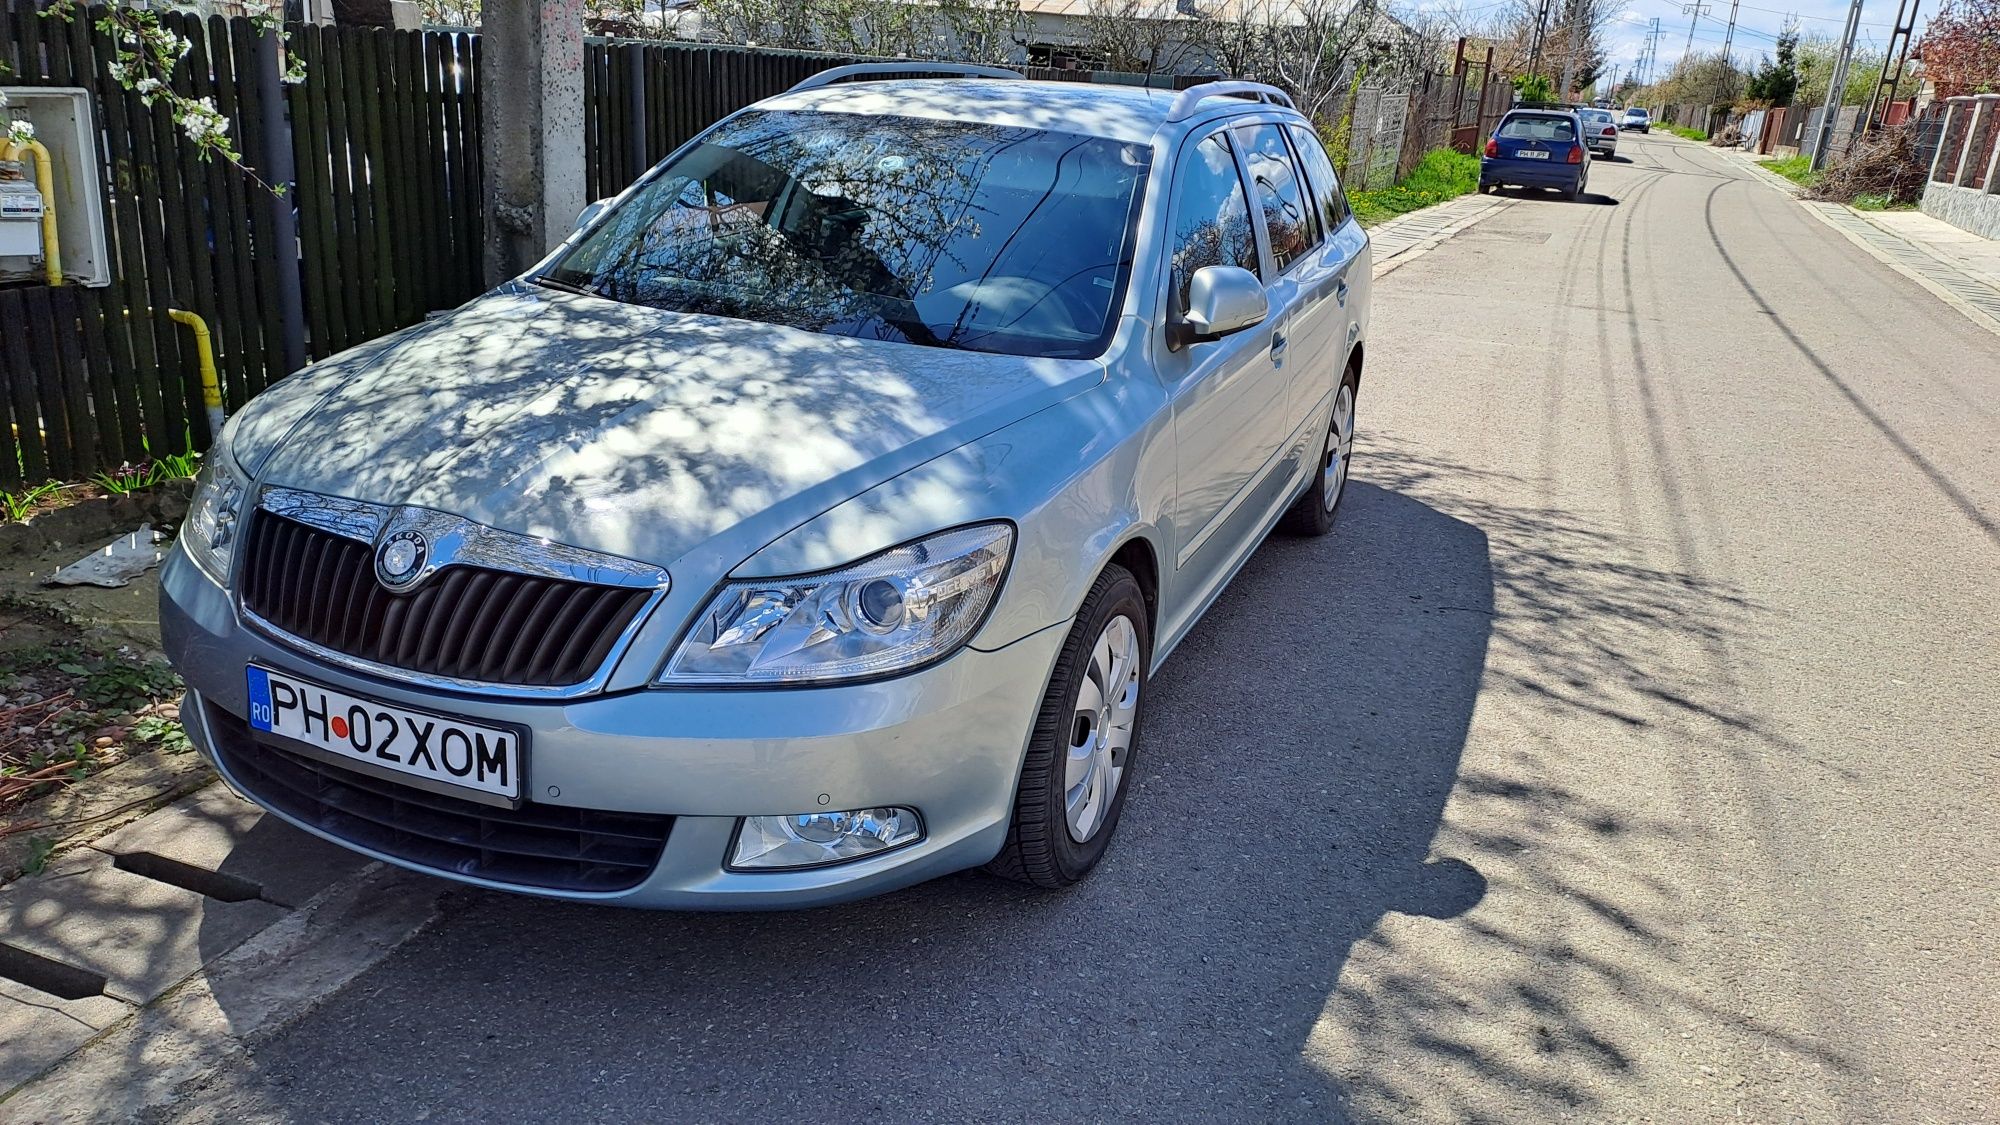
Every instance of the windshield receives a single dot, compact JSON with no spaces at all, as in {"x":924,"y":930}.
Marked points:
{"x":941,"y":233}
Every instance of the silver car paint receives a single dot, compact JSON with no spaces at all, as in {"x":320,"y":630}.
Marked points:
{"x":715,"y":448}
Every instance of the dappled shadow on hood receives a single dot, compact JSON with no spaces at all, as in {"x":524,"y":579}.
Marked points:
{"x":624,"y":429}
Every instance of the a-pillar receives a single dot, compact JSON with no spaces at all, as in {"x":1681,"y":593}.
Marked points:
{"x":531,"y":126}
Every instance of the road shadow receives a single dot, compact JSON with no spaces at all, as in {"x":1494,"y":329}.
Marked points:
{"x":1301,"y":748}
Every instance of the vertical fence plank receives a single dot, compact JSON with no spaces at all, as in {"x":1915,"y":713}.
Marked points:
{"x":73,"y":380}
{"x":262,"y":272}
{"x":49,"y":404}
{"x":30,"y":465}
{"x":223,"y":216}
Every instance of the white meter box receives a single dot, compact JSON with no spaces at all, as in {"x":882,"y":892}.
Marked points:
{"x":64,"y":122}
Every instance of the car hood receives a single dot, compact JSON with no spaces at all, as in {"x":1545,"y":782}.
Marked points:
{"x":628,"y":430}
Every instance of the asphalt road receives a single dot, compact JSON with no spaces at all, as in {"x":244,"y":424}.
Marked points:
{"x":1628,"y":753}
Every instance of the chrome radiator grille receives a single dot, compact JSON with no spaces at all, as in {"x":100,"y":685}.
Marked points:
{"x":470,"y":623}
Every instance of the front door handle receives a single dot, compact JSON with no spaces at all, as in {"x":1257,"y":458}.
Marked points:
{"x":1278,"y":348}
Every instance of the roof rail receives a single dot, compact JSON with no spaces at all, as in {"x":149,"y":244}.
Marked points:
{"x":912,"y":68}
{"x":1187,"y":100}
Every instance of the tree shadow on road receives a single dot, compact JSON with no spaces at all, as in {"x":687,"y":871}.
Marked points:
{"x":1314,"y":909}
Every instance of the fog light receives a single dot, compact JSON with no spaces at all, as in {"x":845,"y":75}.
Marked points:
{"x":819,"y":838}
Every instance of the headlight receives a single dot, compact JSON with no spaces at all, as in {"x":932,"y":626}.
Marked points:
{"x":209,"y":533}
{"x":904,"y":607}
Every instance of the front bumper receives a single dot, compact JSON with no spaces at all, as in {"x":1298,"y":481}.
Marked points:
{"x":947,"y":741}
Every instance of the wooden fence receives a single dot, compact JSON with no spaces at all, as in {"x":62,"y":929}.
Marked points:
{"x":380,"y":220}
{"x":384,"y":137}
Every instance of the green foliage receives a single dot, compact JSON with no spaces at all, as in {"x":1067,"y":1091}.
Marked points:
{"x":1776,"y":81}
{"x":1690,"y":134}
{"x":131,"y":478}
{"x":1442,"y":174}
{"x":1797,"y":169}
{"x":167,"y":734}
{"x":39,"y":850}
{"x":1875,"y":201}
{"x":18,"y":505}
{"x":1816,"y":58}
{"x":1535,"y":88}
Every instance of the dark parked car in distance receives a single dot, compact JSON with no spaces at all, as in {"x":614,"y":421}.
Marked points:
{"x":1537,"y":148}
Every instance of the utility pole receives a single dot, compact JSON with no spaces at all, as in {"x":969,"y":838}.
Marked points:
{"x":1897,"y":54}
{"x":1729,"y":37}
{"x":1652,"y":50}
{"x":1541,"y":29}
{"x":1574,"y":8}
{"x":1824,"y":139}
{"x":1695,"y":9}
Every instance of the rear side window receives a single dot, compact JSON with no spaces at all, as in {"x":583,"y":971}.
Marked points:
{"x":1211,"y":218}
{"x":1321,"y":177}
{"x":1538,"y":127}
{"x":1280,"y":194}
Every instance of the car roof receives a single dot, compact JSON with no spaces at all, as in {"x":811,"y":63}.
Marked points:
{"x":1122,"y":113}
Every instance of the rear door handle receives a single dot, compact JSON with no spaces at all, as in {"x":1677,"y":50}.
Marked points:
{"x":1340,"y":292}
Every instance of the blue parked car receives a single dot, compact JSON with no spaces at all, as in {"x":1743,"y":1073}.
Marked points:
{"x":1537,"y":148}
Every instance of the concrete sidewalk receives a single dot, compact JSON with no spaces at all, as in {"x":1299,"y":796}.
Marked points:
{"x":1977,"y":256}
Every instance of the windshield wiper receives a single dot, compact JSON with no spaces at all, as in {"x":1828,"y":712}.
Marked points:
{"x":548,"y":282}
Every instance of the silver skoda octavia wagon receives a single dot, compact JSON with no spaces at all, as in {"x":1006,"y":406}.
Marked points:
{"x":810,"y":522}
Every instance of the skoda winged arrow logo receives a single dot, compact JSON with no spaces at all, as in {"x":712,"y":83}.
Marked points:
{"x":400,"y":561}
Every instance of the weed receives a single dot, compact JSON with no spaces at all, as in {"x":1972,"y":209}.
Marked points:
{"x":1442,"y":174}
{"x":1797,"y":169}
{"x":19,"y":505}
{"x":39,"y":850}
{"x":128,"y":478}
{"x":1870,"y":201}
{"x":165,"y":733}
{"x":1690,"y":134}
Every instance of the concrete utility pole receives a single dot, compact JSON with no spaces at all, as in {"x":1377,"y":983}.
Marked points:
{"x":1695,"y":11}
{"x":1824,"y":138}
{"x":1541,"y":30}
{"x":531,"y":125}
{"x":1652,"y":50}
{"x":1575,"y":44}
{"x":1897,"y":54}
{"x":1728,"y":38}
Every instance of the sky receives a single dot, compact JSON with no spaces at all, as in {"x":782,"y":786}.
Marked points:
{"x":1757,"y":25}
{"x":1756,"y":28}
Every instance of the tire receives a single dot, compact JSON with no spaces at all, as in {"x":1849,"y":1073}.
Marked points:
{"x":1313,"y":513}
{"x":1042,"y":847}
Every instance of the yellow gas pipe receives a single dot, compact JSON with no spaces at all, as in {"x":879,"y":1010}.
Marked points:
{"x":45,"y":182}
{"x":204,"y":351}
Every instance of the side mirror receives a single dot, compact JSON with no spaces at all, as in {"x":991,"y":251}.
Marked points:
{"x":590,"y":213}
{"x":1222,"y":300}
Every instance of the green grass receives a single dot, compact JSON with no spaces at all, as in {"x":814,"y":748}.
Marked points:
{"x":1797,"y":169}
{"x":1690,"y":134}
{"x":1442,"y":174}
{"x":1868,"y":202}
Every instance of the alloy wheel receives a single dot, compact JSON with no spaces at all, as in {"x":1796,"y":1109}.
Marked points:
{"x":1107,"y":703}
{"x":1339,"y":448}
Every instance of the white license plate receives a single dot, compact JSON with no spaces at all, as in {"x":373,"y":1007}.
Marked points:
{"x":1532,"y":154}
{"x":432,"y":747}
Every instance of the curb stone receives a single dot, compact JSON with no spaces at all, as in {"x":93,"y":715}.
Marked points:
{"x":119,"y":926}
{"x":1412,"y":235}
